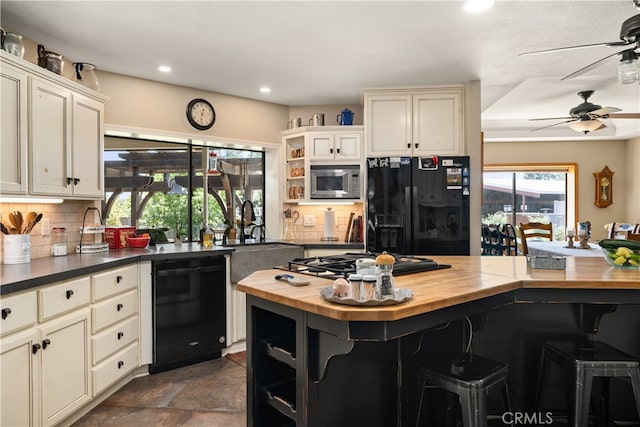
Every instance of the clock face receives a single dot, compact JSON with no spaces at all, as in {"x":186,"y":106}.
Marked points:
{"x":201,"y":114}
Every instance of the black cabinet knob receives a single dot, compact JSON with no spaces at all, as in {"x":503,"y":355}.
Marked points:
{"x":120,"y":335}
{"x":119,"y":279}
{"x":35,"y":348}
{"x":416,"y":145}
{"x":119,"y":307}
{"x":69,"y":180}
{"x":338,"y":150}
{"x":46,"y":343}
{"x":5,"y":312}
{"x":331,"y":150}
{"x":120,"y":364}
{"x":408,"y":145}
{"x":76,"y":181}
{"x":69,"y":294}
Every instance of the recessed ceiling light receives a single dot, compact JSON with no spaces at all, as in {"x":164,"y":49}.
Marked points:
{"x":164,"y":69}
{"x":477,"y":5}
{"x":265,"y":89}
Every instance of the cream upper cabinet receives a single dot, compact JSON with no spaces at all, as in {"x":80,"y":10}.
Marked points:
{"x":414,"y":123}
{"x":52,"y":134}
{"x":13,"y":132}
{"x":50,"y":139}
{"x":66,"y":143}
{"x":335,"y":146}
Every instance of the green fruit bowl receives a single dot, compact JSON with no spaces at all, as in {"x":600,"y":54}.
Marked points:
{"x":622,"y":258}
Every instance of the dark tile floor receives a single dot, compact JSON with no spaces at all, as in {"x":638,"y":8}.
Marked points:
{"x":211,"y":394}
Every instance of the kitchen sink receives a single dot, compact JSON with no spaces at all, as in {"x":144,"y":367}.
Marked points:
{"x":249,"y":257}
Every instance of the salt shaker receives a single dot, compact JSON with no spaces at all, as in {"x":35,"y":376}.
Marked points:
{"x":384,"y":284}
{"x":355,"y":284}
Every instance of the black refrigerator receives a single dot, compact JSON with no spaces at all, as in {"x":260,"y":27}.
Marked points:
{"x":418,"y":205}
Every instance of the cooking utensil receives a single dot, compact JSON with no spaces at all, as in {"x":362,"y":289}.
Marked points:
{"x":4,"y":228}
{"x":33,"y":223}
{"x":16,"y":220}
{"x":292,"y":280}
{"x":31,"y":216}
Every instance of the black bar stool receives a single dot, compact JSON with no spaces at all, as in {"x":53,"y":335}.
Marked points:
{"x":471,"y":377}
{"x":582,"y":361}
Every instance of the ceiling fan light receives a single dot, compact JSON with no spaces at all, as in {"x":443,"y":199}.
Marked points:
{"x":628,"y":69}
{"x":586,"y":126}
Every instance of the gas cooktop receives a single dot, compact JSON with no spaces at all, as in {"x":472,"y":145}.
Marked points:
{"x":335,"y":266}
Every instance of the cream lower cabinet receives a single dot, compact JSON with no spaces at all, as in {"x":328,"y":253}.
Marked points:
{"x":66,"y":343}
{"x":115,"y":326}
{"x":45,"y":368}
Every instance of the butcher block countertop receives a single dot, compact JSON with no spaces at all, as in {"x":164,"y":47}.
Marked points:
{"x":470,"y":278}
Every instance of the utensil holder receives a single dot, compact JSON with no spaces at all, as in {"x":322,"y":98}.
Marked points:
{"x":16,"y":248}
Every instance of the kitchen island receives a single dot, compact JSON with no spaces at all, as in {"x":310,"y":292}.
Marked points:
{"x":317,"y":363}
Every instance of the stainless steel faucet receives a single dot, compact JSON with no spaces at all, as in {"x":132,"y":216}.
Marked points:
{"x":242,"y":218}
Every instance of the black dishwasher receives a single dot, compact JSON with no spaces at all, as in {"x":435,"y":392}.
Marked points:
{"x":189,"y":311}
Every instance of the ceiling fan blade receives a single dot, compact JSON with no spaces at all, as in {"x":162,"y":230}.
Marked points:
{"x":624,"y":116}
{"x":582,"y":46}
{"x":555,"y":124}
{"x":592,"y":65}
{"x":552,"y":118}
{"x":604,"y":111}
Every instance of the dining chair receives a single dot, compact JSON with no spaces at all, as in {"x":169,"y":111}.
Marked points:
{"x":534,"y":230}
{"x":633,"y":236}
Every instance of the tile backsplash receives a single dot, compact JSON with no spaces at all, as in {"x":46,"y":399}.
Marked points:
{"x":316,"y":231}
{"x":68,"y":214}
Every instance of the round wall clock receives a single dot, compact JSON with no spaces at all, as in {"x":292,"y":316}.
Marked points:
{"x":201,"y":114}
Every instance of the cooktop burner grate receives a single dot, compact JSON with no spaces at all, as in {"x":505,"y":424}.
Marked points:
{"x":335,"y":266}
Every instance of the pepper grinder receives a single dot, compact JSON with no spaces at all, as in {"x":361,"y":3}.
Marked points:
{"x":570,"y":235}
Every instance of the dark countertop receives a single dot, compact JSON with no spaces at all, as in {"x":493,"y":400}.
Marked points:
{"x":42,"y":271}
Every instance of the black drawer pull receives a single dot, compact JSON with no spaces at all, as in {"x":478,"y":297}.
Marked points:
{"x":120,"y":364}
{"x":119,"y":279}
{"x":35,"y":348}
{"x":46,"y":343}
{"x":5,"y":312}
{"x":69,"y":180}
{"x":120,"y":335}
{"x":119,"y":307}
{"x":69,"y":294}
{"x":416,"y":144}
{"x":338,"y":150}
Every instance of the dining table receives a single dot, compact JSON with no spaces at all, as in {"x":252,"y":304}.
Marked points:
{"x":561,"y":248}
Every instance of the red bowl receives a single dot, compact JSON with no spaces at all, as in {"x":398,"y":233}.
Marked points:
{"x":138,"y":242}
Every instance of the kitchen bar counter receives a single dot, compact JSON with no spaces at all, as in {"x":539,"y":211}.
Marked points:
{"x":470,"y":278}
{"x":317,"y":363}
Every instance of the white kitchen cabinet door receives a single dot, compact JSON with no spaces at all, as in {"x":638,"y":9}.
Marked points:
{"x":437,"y":123}
{"x":19,"y":379}
{"x":13,"y":132}
{"x":50,"y":120}
{"x":321,"y":147}
{"x":66,"y":364}
{"x":388,"y":124}
{"x":88,"y":146}
{"x":348,"y":146}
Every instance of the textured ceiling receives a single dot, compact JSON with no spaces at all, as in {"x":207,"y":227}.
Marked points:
{"x":313,"y":53}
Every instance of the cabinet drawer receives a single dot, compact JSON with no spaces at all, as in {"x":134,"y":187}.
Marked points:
{"x":113,"y":282}
{"x":113,"y":339}
{"x":113,"y":310}
{"x":64,"y":297}
{"x":114,"y":368}
{"x":18,"y":312}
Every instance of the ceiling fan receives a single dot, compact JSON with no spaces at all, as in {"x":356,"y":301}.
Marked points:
{"x":628,"y":71}
{"x":585,"y":116}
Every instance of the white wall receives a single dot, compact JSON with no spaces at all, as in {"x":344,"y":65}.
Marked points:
{"x":591,"y":156}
